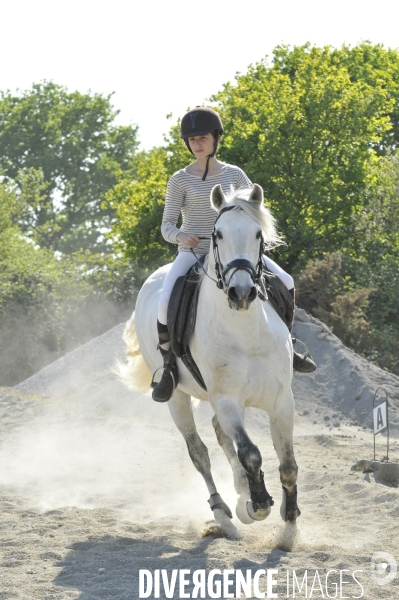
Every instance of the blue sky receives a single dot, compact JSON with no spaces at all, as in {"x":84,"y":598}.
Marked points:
{"x":163,"y":57}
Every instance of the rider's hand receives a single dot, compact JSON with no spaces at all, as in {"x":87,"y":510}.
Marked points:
{"x":188,"y":240}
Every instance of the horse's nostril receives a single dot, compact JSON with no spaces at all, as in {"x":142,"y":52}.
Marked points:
{"x":232,"y":294}
{"x":252,"y":294}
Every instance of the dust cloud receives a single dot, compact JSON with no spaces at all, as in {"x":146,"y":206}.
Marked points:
{"x":89,"y":455}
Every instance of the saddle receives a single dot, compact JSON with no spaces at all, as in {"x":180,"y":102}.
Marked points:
{"x":182,"y":311}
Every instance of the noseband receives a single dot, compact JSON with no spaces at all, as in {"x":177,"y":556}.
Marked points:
{"x":239,"y":264}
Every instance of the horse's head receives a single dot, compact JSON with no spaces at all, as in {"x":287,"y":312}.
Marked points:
{"x":243,"y":226}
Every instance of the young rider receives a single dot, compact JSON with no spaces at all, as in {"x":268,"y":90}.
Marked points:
{"x":188,"y":193}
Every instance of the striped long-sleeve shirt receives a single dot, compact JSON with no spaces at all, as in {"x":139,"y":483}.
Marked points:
{"x":189,"y":195}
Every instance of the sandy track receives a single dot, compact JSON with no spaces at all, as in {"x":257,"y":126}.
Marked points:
{"x":96,"y":483}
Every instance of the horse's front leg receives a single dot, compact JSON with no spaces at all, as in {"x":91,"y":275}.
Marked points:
{"x":226,"y":443}
{"x":182,"y":414}
{"x":239,"y":474}
{"x":282,"y":429}
{"x":231,"y":417}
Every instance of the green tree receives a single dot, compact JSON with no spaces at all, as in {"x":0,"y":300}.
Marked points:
{"x":377,"y":66}
{"x":9,"y":207}
{"x":368,"y":63}
{"x":64,"y":151}
{"x":50,"y":305}
{"x":376,"y":262}
{"x":377,"y":227}
{"x":356,"y":292}
{"x":326,"y":292}
{"x":139,"y":204}
{"x":304,"y":130}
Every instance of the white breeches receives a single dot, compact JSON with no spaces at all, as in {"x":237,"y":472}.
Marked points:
{"x":274,"y":268}
{"x":180,"y":266}
{"x":185,"y":260}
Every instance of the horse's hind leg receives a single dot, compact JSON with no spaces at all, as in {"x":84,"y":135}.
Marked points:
{"x":182,"y":414}
{"x":282,"y":429}
{"x":231,"y":418}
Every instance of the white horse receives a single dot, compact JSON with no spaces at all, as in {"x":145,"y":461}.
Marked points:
{"x":244,"y":353}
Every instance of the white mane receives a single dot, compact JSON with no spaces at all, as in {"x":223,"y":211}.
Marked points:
{"x":261,"y":214}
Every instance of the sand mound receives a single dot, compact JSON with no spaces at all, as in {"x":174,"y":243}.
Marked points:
{"x":340,"y":391}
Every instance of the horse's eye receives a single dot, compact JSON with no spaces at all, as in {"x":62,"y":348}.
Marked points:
{"x":258,"y":235}
{"x":219,"y":235}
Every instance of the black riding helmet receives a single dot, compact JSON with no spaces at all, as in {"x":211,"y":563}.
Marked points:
{"x":200,"y":121}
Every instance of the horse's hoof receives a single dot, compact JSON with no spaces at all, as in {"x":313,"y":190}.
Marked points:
{"x":289,"y":510}
{"x":242,"y":513}
{"x":226,"y":524}
{"x":260,"y":513}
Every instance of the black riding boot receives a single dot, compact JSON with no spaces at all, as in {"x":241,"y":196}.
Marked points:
{"x":303,"y":363}
{"x":162,"y":391}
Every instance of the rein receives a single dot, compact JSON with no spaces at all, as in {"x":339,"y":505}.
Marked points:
{"x":238,"y":264}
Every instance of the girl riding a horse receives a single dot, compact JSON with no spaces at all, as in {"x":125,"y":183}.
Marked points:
{"x":188,"y":193}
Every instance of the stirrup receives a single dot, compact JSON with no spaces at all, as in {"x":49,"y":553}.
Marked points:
{"x":155,"y":383}
{"x":305,"y":358}
{"x":306,"y":353}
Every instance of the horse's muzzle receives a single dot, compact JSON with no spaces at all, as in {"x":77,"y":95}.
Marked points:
{"x":241,"y":297}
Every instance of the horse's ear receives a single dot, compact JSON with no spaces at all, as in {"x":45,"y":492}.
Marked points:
{"x":256,"y":195}
{"x":218,"y":199}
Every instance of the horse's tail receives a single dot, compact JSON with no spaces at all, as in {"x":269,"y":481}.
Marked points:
{"x":135,"y":373}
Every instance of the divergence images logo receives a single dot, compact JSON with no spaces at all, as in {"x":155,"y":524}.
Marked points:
{"x":383,"y":568}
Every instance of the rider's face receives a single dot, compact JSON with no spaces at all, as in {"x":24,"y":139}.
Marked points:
{"x":202,"y":145}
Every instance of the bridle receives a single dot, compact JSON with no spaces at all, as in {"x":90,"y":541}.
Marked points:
{"x":238,"y":264}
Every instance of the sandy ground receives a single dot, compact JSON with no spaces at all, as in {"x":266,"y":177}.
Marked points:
{"x":96,"y":483}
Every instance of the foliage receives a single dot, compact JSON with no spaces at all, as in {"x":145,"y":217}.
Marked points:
{"x":376,"y":262}
{"x":63,"y":151}
{"x":377,"y":227}
{"x":348,"y":319}
{"x":324,"y":291}
{"x":9,"y":208}
{"x":366,"y":316}
{"x":376,"y":65}
{"x":358,"y":301}
{"x":304,"y":130}
{"x":370,"y":63}
{"x":383,"y":348}
{"x":50,"y":306}
{"x":139,"y":204}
